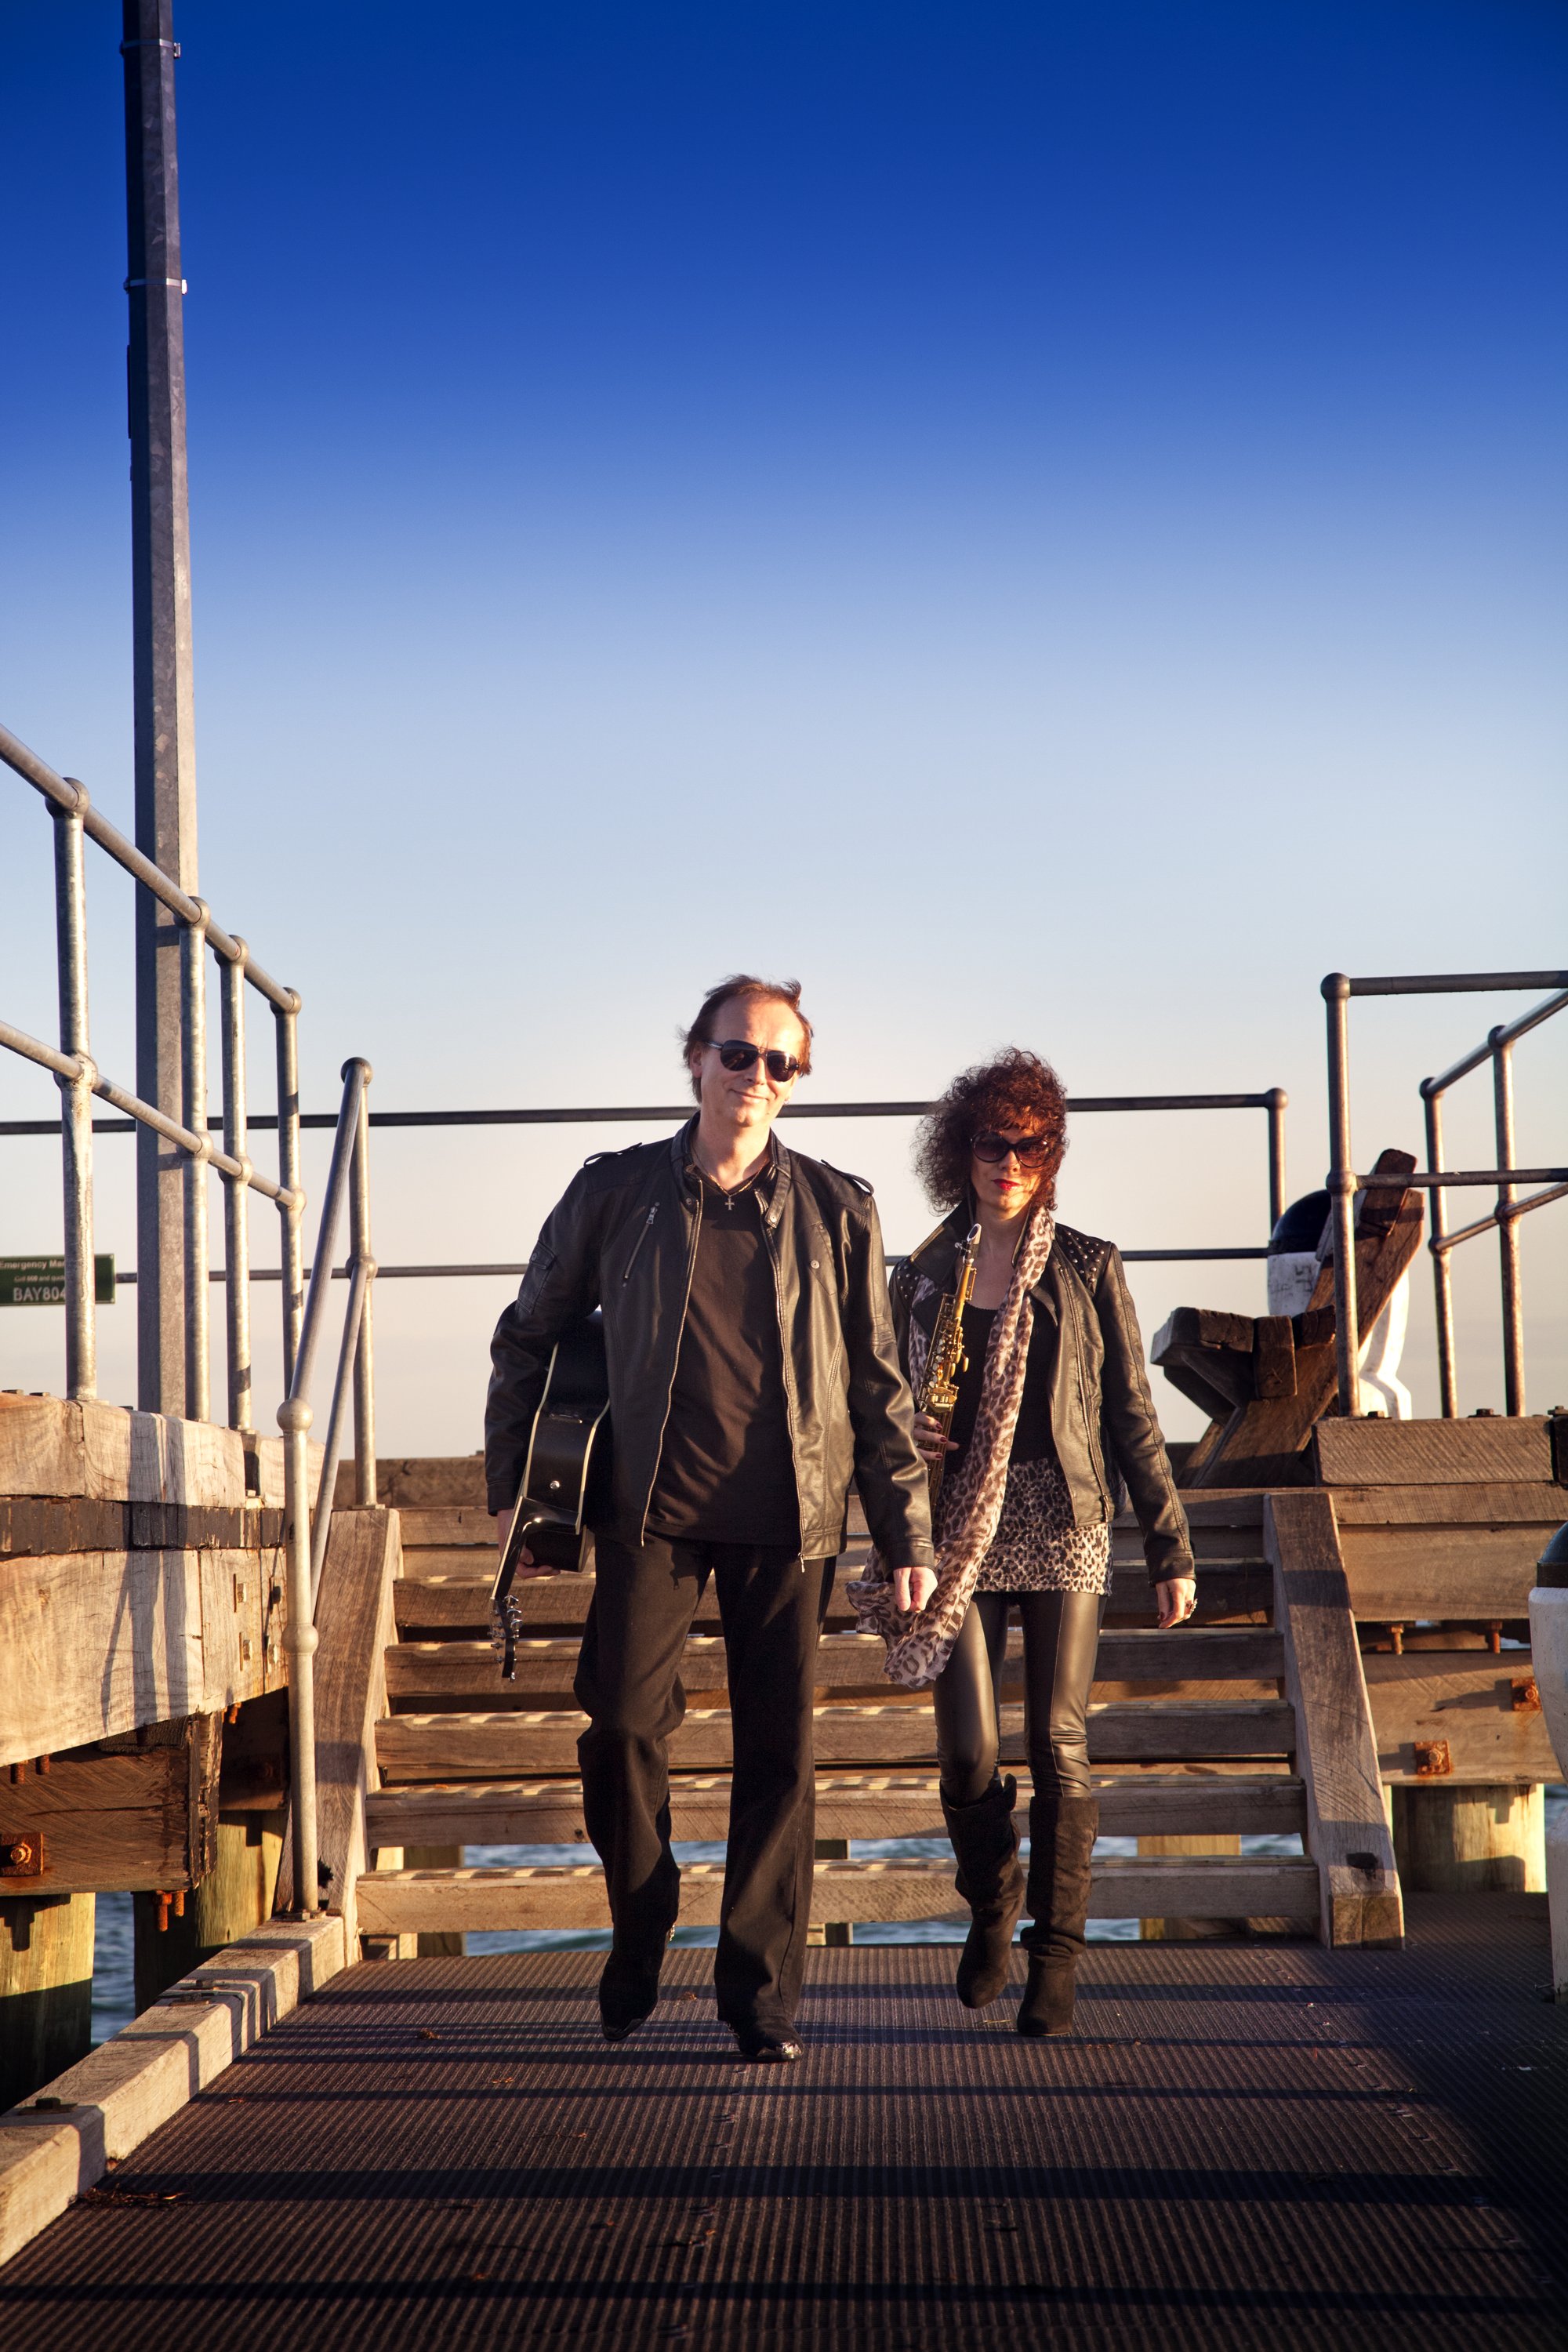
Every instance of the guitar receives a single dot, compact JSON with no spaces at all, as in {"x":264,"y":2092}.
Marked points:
{"x":565,"y":1477}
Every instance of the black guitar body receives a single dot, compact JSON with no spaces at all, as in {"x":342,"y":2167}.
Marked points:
{"x":565,"y":1478}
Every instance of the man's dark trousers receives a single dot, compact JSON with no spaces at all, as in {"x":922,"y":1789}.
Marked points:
{"x":628,"y":1684}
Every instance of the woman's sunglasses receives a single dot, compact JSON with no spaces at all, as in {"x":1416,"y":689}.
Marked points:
{"x":735,"y":1053}
{"x":1028,"y":1150}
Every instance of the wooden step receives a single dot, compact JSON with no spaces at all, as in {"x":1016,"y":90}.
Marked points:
{"x":1195,"y":1666}
{"x":403,"y":1902}
{"x":513,"y":1744}
{"x":860,"y":1805}
{"x":456,"y":1600}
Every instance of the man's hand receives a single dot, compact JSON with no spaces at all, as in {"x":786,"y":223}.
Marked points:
{"x":912,"y":1588}
{"x":1177,"y":1596}
{"x":527,"y":1565}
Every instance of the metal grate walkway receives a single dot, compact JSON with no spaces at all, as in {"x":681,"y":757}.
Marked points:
{"x":1245,"y":2144}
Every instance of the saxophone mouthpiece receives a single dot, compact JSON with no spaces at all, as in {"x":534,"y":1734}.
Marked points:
{"x":973,"y":1241}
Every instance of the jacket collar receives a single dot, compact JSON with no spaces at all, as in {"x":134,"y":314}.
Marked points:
{"x":938,"y":1254}
{"x":772,"y":1185}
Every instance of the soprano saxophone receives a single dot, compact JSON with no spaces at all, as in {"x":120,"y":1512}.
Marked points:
{"x":945,"y":1358}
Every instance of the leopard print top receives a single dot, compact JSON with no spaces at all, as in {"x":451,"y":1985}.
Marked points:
{"x":1035,"y":1547}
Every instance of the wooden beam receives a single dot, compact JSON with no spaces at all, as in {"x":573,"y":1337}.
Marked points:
{"x":121,"y":1815}
{"x":1444,"y":1718}
{"x":97,"y":1643}
{"x":52,"y":1447}
{"x":1347,"y":1834}
{"x":1475,"y":1573}
{"x":396,"y":1903}
{"x":1375,"y":1452}
{"x":354,"y":1619}
{"x":488,"y":1747}
{"x":849,"y":1805}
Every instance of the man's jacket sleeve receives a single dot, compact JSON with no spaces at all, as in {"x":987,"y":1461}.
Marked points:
{"x":561,"y":1286}
{"x":889,"y":1472}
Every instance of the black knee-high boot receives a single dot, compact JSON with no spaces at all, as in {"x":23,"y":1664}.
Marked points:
{"x":1062,"y":1830}
{"x":990,"y":1881}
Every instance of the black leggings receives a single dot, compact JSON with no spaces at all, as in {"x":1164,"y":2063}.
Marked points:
{"x":1061,"y":1634}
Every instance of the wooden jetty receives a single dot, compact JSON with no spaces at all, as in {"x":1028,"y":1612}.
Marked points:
{"x":1354,"y":1676}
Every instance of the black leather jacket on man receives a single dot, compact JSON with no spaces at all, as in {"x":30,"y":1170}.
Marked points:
{"x":1102,"y":1415}
{"x":623,"y":1238}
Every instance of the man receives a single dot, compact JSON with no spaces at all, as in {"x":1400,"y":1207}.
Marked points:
{"x":752,"y":1373}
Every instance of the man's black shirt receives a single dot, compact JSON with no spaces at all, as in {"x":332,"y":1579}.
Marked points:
{"x":726,"y":1471}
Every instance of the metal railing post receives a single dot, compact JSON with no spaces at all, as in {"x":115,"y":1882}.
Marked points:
{"x":1341,"y":1189}
{"x":353,"y":1363}
{"x":194,"y":1112}
{"x":237,"y":1190}
{"x":75,"y":1107}
{"x":294,"y":1418}
{"x":1507,"y":1228}
{"x":1279,"y":1101}
{"x":300,"y":1638}
{"x":365,"y":1352}
{"x":291,"y":1212}
{"x":1442,"y":1274}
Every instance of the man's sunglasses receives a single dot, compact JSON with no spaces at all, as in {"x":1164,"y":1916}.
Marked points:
{"x":1028,"y":1150}
{"x":735,"y":1053}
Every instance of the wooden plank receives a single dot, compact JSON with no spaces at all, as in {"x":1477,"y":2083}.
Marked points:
{"x":52,"y":1447}
{"x":1431,"y":1452}
{"x":354,"y":1619}
{"x":493,"y":1746}
{"x":421,"y":1482}
{"x":1530,"y":1503}
{"x":845,"y":1662}
{"x":407,"y":1902}
{"x":97,"y":1642}
{"x":849,"y":1805}
{"x":264,"y":1468}
{"x":1484,"y":1711}
{"x":127,"y":1819}
{"x":1348,"y":1835}
{"x":1397,"y":1574}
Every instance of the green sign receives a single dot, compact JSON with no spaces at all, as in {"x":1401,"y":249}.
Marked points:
{"x":41,"y":1281}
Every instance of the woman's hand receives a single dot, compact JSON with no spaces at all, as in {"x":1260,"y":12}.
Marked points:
{"x":527,"y":1565}
{"x":929,"y":1440}
{"x":912,"y":1588}
{"x":1177,"y":1596}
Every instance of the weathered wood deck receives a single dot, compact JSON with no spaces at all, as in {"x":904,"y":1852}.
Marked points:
{"x":1286,"y":2144}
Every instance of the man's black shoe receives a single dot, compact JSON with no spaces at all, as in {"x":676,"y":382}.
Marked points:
{"x":627,"y":1994}
{"x":766,"y":2047}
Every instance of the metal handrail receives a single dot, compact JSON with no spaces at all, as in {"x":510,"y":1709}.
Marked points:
{"x":79,"y":1077}
{"x":1273,"y":1100}
{"x":1497,"y":1048}
{"x":307,"y":1523}
{"x":1344,"y":1182}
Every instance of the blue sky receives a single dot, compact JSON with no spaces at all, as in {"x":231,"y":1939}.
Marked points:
{"x":1046,"y":522}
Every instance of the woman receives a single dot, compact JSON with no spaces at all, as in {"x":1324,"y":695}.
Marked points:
{"x":1053,"y":1414}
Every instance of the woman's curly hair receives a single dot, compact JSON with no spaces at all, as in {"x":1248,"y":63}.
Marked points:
{"x":1014,"y":1090}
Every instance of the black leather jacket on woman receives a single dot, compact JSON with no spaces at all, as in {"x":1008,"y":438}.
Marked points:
{"x":1102,"y":1415}
{"x":623,"y":1238}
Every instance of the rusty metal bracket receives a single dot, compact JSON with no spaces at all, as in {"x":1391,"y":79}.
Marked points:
{"x":1526,"y":1695}
{"x":23,"y":1853}
{"x":1432,"y":1760}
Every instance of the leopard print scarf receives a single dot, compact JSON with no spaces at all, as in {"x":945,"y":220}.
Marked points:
{"x":918,"y":1647}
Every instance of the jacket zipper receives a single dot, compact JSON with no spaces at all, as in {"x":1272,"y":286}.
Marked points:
{"x":669,"y":1393}
{"x":639,"y":1241}
{"x":769,"y":1226}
